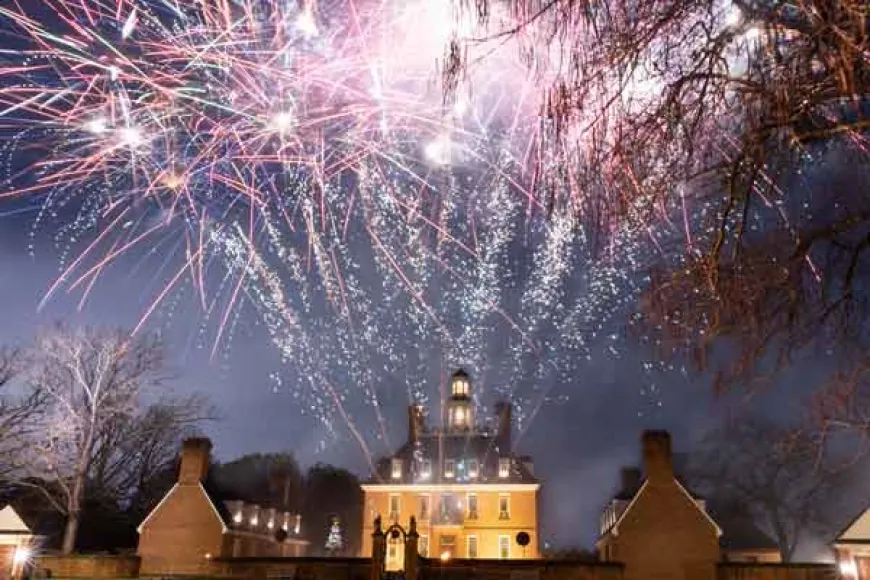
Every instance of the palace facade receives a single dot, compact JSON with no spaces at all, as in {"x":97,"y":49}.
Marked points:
{"x":471,"y":496}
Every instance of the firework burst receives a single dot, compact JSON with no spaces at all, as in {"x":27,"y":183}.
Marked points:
{"x":316,"y":167}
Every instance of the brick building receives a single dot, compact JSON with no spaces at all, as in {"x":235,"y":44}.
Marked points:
{"x":470,"y":495}
{"x":659,"y":528}
{"x":195,"y":523}
{"x":16,"y":543}
{"x":852,"y":547}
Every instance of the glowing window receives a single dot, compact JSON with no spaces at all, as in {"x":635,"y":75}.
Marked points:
{"x":472,"y":546}
{"x":472,"y":506}
{"x":473,"y":468}
{"x":394,"y":506}
{"x":504,"y":467}
{"x":504,"y":547}
{"x":504,"y":507}
{"x":459,"y":416}
{"x":460,"y":387}
{"x":426,"y":470}
{"x":449,"y":468}
{"x":397,"y":469}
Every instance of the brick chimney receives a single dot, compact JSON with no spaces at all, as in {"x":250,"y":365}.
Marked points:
{"x":503,"y":433}
{"x":658,"y":462}
{"x":415,"y":423}
{"x":195,"y":455}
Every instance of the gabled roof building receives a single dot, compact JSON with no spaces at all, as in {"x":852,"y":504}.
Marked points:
{"x":197,"y":522}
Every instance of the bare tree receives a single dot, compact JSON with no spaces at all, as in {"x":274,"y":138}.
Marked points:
{"x":137,"y":449}
{"x":745,"y":123}
{"x":19,"y":413}
{"x":94,"y":382}
{"x":774,"y":473}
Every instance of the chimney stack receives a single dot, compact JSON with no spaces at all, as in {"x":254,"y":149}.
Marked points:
{"x":415,"y":423}
{"x":658,"y":461}
{"x":195,"y":457}
{"x":503,"y":433}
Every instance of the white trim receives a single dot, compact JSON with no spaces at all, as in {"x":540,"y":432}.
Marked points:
{"x":702,"y":510}
{"x":614,"y":529}
{"x":217,"y":514}
{"x":451,"y":487}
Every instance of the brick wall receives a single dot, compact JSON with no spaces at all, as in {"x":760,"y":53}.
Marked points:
{"x":433,"y":569}
{"x":83,"y":566}
{"x":182,"y":535}
{"x":735,"y":571}
{"x":295,"y":568}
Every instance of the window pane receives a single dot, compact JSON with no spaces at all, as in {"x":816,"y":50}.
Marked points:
{"x":504,"y":547}
{"x":472,"y":546}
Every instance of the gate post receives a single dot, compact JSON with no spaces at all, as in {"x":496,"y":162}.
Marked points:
{"x":411,"y":554}
{"x":379,"y":550}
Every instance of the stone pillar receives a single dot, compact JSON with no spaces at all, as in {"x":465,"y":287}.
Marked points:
{"x":411,"y":553}
{"x":379,"y":550}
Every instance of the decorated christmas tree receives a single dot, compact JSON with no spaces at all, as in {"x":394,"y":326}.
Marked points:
{"x":334,"y":542}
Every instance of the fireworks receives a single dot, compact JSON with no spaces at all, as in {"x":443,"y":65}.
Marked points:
{"x":316,"y":169}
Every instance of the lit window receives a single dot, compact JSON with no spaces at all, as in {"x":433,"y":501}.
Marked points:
{"x":424,"y":507}
{"x":504,"y":467}
{"x":460,"y":387}
{"x":448,"y":544}
{"x":504,"y":547}
{"x":397,"y":469}
{"x":473,"y":469}
{"x":447,"y":506}
{"x":504,"y":507}
{"x":426,"y":470}
{"x":472,"y":506}
{"x":449,"y":468}
{"x":459,"y":416}
{"x":423,"y":546}
{"x":472,"y":546}
{"x":238,"y":517}
{"x":394,"y":507}
{"x":298,"y":524}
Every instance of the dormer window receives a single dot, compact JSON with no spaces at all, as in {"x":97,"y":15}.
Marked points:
{"x":449,"y":468}
{"x":473,"y":469}
{"x":504,"y":467}
{"x":426,"y":469}
{"x":396,"y":469}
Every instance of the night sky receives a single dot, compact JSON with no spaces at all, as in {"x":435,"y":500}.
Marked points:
{"x":579,"y":442}
{"x":524,"y":300}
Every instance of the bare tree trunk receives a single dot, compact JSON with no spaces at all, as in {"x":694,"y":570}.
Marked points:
{"x":70,"y":532}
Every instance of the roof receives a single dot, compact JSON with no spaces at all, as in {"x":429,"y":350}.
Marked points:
{"x":858,"y":530}
{"x":615,"y":527}
{"x":460,"y":447}
{"x":11,"y":522}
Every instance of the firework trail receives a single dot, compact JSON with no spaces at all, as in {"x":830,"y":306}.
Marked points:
{"x":304,"y":156}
